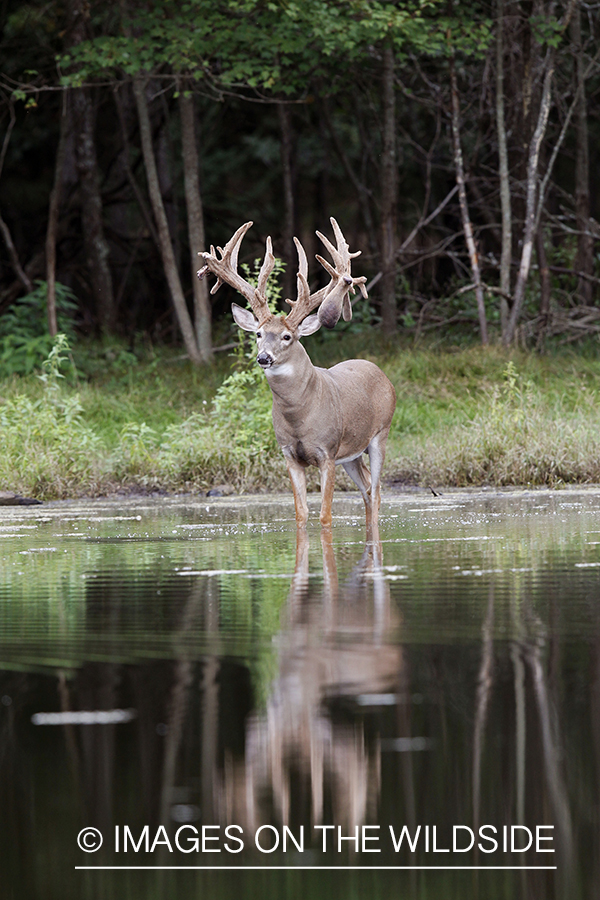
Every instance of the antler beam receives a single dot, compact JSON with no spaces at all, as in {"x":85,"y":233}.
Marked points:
{"x":226,"y":271}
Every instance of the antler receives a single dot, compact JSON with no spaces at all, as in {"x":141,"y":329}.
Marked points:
{"x":334,"y":299}
{"x":226,"y":271}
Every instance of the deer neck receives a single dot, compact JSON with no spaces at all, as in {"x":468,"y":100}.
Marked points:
{"x":293,"y":381}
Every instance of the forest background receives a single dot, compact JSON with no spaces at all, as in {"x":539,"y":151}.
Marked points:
{"x":455,"y":143}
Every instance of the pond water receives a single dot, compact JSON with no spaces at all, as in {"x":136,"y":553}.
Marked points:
{"x":238,"y":713}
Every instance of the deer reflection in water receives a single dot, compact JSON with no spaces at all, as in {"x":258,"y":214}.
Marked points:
{"x":332,"y":648}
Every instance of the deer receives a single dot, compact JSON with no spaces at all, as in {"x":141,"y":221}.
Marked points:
{"x":322,"y":417}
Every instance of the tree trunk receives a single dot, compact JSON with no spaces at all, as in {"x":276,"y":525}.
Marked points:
{"x":506,"y":254}
{"x":195,"y":219}
{"x":166,"y":247}
{"x":53,"y":213}
{"x":584,"y":261}
{"x":545,"y":279}
{"x":287,"y":143}
{"x":389,"y":187}
{"x":530,"y":210}
{"x":464,"y":209}
{"x":12,"y":250}
{"x":164,"y":154}
{"x":96,"y":245}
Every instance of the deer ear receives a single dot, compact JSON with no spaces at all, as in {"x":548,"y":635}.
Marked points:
{"x":244,"y":318}
{"x":309,"y":325}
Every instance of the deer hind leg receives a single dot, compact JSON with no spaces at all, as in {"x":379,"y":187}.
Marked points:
{"x":361,"y":477}
{"x":298,"y":479}
{"x":376,"y":451}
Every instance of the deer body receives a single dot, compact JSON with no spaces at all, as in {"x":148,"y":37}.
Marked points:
{"x":321,"y":417}
{"x":327,"y":417}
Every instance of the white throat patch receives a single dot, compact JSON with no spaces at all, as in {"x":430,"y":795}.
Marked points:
{"x":283,"y":369}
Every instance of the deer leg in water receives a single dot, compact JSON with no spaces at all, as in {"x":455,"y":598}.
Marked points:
{"x":327,"y":468}
{"x":376,"y":451}
{"x":298,"y":479}
{"x":361,"y":477}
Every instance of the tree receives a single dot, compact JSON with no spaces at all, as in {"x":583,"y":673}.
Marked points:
{"x":308,"y":109}
{"x":279,"y":52}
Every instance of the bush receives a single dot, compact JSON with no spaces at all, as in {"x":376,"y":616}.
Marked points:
{"x":24,"y":338}
{"x":47,"y":450}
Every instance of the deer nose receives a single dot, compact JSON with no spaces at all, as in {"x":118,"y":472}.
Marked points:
{"x":264,"y":359}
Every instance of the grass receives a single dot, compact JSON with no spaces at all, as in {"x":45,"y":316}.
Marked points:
{"x":465,"y":416}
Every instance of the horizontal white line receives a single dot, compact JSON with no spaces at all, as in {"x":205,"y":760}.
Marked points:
{"x":84,"y":717}
{"x":315,"y":868}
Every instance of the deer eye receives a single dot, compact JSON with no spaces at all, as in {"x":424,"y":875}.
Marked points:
{"x":287,"y":337}
{"x":259,"y":334}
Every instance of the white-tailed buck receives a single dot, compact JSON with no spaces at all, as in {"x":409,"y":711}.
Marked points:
{"x":322,"y":417}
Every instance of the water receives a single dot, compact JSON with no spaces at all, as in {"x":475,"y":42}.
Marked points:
{"x":187,"y":678}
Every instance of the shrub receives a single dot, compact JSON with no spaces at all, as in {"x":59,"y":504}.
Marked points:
{"x":46,"y":447}
{"x":24,"y":338}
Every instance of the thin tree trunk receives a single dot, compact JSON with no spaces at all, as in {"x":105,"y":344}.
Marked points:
{"x":195,"y":217}
{"x":53,"y":213}
{"x":464,"y":209}
{"x":165,"y":160}
{"x":166,"y":247}
{"x":530,"y":210}
{"x":389,"y":187}
{"x":12,"y":251}
{"x":585,"y":243}
{"x":506,"y":254}
{"x":289,"y":214}
{"x":14,"y":256}
{"x":86,"y":162}
{"x":96,"y":245}
{"x":545,"y":280}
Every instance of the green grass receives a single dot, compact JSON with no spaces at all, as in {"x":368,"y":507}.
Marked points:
{"x":465,"y":416}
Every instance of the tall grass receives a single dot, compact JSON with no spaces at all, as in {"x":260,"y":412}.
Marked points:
{"x":464,"y":417}
{"x":541,"y":428}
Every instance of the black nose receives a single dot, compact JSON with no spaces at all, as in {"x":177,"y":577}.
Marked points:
{"x":264,"y":360}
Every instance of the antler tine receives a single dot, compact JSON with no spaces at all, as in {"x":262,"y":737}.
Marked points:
{"x":301,"y":307}
{"x":341,"y":240}
{"x":302,"y":260}
{"x":266,"y":268}
{"x":226,"y":271}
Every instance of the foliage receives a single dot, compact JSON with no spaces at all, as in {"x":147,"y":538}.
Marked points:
{"x":311,"y":53}
{"x":242,"y":405}
{"x":267,"y":46}
{"x":521,"y":431}
{"x":24,"y":338}
{"x":236,"y":436}
{"x":464,"y":417}
{"x":47,"y":446}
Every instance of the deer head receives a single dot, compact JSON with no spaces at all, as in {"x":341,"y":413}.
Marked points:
{"x":331,"y":301}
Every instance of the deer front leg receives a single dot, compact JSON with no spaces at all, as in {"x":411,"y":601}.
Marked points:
{"x":298,"y":479}
{"x":327,"y":469}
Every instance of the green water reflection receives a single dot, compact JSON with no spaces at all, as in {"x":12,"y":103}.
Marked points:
{"x":447,"y":676}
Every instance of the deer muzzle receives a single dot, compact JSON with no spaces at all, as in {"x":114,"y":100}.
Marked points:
{"x":265,"y":360}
